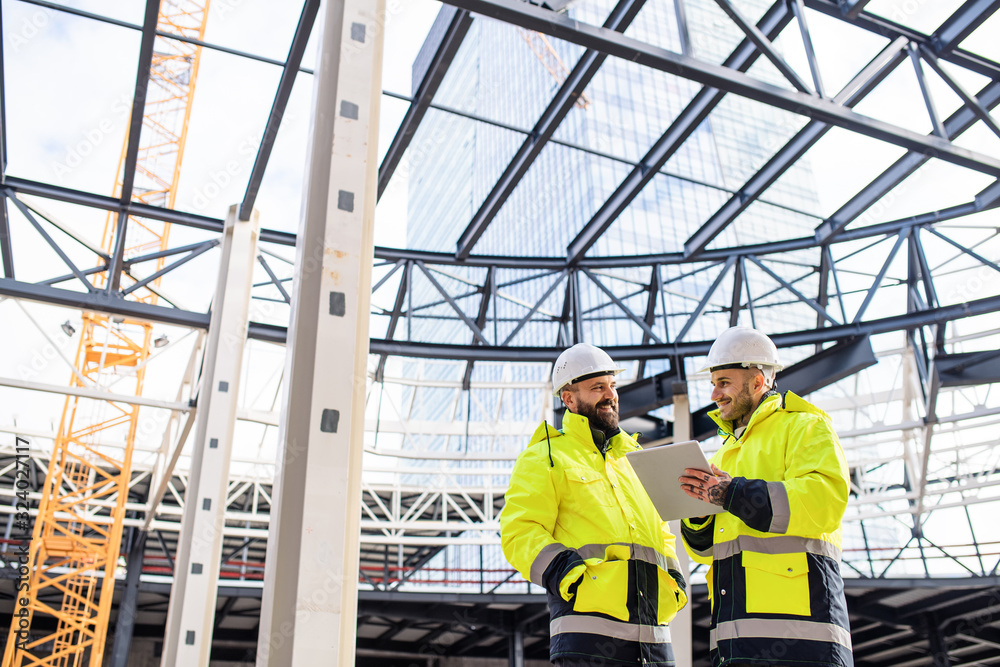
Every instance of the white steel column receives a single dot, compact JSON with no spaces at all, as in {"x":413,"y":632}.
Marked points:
{"x":680,"y":627}
{"x":309,"y":609}
{"x":191,"y":615}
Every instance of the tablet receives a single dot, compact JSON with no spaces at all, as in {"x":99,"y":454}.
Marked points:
{"x":658,"y":469}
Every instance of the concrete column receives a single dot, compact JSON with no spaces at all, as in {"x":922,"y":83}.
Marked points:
{"x":191,"y":614}
{"x":680,"y":627}
{"x":309,"y":609}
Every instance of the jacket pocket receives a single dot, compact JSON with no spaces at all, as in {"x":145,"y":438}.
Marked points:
{"x":604,"y":589}
{"x":671,"y":597}
{"x":777,"y":583}
{"x":587,"y":488}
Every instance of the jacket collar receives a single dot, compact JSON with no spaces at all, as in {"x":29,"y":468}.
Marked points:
{"x":767,"y":407}
{"x":578,"y":427}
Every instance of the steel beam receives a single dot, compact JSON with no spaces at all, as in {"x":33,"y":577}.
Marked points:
{"x":639,"y":352}
{"x":956,"y":124}
{"x":745,"y":55}
{"x":309,"y":605}
{"x":962,"y":23}
{"x":852,"y":8}
{"x":130,"y":159}
{"x":828,"y":366}
{"x":567,"y":95}
{"x":763,"y":45}
{"x":892,"y":30}
{"x":448,"y":38}
{"x":191,"y":616}
{"x":46,"y":191}
{"x":862,"y":84}
{"x":281,"y":96}
{"x":966,"y":369}
{"x":6,"y":250}
{"x":967,"y":99}
{"x":3,"y":131}
{"x":124,"y":626}
{"x":724,"y":78}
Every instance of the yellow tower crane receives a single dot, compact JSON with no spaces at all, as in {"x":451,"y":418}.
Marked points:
{"x":77,"y":535}
{"x":546,"y":54}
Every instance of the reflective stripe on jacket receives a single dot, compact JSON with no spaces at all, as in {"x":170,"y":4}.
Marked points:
{"x":563,"y":495}
{"x":774,"y":583}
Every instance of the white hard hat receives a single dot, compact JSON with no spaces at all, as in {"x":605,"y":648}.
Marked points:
{"x":581,"y":360}
{"x":746,"y":347}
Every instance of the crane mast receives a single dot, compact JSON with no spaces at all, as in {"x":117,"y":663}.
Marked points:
{"x":76,"y":540}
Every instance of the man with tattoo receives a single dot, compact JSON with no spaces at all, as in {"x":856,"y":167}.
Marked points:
{"x":774,"y":578}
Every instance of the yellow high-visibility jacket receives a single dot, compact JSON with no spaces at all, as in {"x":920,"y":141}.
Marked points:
{"x":570,"y":508}
{"x":774,"y":582}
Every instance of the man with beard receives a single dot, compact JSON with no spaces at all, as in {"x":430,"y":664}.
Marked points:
{"x":577,"y":522}
{"x":774,"y":583}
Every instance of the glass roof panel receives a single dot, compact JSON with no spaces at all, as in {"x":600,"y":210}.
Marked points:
{"x":747,"y":134}
{"x":983,"y":40}
{"x":844,"y":163}
{"x":664,"y":214}
{"x":656,"y":24}
{"x":713,"y":34}
{"x":934,"y":186}
{"x":123,"y":10}
{"x":221,"y":147}
{"x":613,"y":119}
{"x":481,"y":80}
{"x":557,"y":196}
{"x":923,"y":16}
{"x":842,"y":49}
{"x":68,"y":97}
{"x":764,"y":223}
{"x":236,"y":24}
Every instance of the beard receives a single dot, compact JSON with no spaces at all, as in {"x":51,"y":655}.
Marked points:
{"x":602,"y":421}
{"x":740,"y":407}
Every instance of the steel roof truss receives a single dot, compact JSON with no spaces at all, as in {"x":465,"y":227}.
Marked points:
{"x":745,"y":54}
{"x":476,"y":331}
{"x":863,"y":83}
{"x":800,"y":15}
{"x":450,"y":41}
{"x":489,"y":294}
{"x":705,"y":299}
{"x":961,"y":24}
{"x":647,"y":330}
{"x":970,"y":101}
{"x":281,"y":97}
{"x":569,"y":92}
{"x":201,"y":249}
{"x":932,"y":112}
{"x":52,"y":244}
{"x":763,"y":45}
{"x":724,"y":78}
{"x":924,"y":271}
{"x":902,"y":236}
{"x":397,"y":310}
{"x":273,"y":279}
{"x":561,"y":275}
{"x":967,"y":251}
{"x":791,"y":288}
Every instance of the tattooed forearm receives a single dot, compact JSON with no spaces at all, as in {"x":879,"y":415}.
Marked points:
{"x":717,"y":493}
